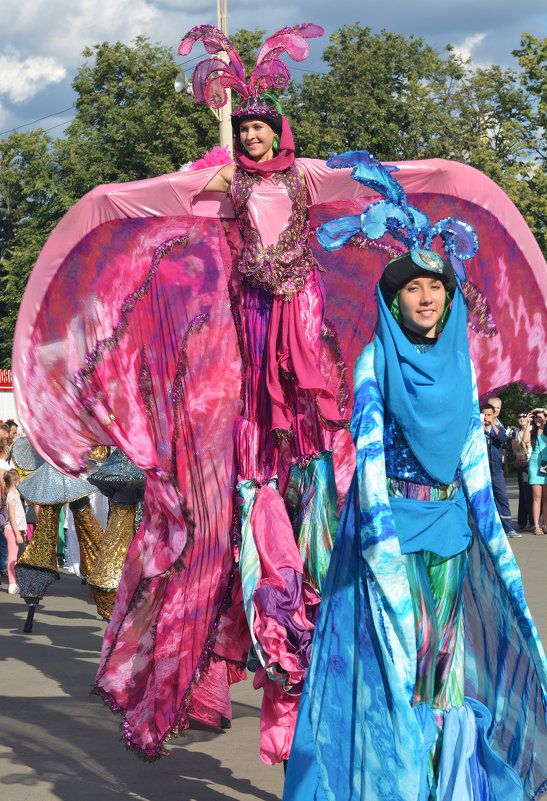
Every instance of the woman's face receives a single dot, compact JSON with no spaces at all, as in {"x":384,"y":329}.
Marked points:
{"x":539,"y":419}
{"x":257,"y":138}
{"x":421,"y":303}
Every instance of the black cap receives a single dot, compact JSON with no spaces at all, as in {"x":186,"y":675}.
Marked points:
{"x":413,"y":264}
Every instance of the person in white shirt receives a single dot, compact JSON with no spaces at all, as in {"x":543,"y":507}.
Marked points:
{"x":16,"y":528}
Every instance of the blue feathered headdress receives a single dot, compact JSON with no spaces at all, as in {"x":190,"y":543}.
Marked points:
{"x":394,"y":215}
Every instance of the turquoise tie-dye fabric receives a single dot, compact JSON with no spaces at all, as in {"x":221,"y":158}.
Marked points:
{"x":357,"y":735}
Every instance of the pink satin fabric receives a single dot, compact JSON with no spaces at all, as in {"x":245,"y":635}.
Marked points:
{"x":275,"y":543}
{"x":293,"y":347}
{"x":269,"y":210}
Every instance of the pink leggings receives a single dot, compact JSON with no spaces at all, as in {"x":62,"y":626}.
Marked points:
{"x":13,"y":551}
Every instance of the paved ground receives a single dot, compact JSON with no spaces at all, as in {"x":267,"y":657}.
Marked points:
{"x":58,"y":743}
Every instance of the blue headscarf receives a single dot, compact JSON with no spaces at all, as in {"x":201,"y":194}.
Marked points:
{"x":429,"y":394}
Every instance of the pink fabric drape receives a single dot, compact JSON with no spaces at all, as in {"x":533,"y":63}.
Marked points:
{"x":292,"y":350}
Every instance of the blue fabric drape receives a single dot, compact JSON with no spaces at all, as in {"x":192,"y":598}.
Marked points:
{"x":429,"y":394}
{"x":437,"y":526}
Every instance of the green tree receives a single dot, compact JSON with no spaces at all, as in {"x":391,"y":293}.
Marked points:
{"x":382,"y":92}
{"x":531,"y":192}
{"x":130,"y":123}
{"x":532,"y":57}
{"x":32,"y":199}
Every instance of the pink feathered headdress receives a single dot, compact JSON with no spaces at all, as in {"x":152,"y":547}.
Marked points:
{"x":213,"y":76}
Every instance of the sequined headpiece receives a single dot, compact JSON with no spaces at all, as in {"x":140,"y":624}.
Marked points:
{"x":394,"y":215}
{"x":213,"y":76}
{"x":265,"y":107}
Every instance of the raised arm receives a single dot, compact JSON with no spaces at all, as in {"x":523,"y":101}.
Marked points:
{"x":221,"y":181}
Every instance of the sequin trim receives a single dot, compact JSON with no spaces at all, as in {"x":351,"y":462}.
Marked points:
{"x":255,"y":107}
{"x":401,"y":488}
{"x":181,"y":721}
{"x":331,"y":425}
{"x":96,"y":353}
{"x":304,"y":461}
{"x":177,"y":391}
{"x":480,"y":317}
{"x":100,"y":453}
{"x":283,"y":268}
{"x":182,"y":360}
{"x":328,"y":332}
{"x":145,"y":383}
{"x":363,"y":241}
{"x":282,"y":435}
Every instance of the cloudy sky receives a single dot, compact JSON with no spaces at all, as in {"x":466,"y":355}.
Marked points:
{"x":41,"y":40}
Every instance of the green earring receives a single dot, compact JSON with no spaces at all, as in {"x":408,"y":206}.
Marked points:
{"x":446,"y":314}
{"x":395,"y":310}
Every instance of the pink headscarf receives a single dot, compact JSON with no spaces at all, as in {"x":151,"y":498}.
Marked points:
{"x":282,"y":161}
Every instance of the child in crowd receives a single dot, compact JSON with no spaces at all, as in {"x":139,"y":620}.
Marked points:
{"x":16,"y":528}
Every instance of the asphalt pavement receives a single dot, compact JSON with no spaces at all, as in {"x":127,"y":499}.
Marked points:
{"x":59,"y":743}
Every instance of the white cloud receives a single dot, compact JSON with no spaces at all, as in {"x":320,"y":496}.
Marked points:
{"x":61,"y":29}
{"x":465,"y":49}
{"x":41,"y":38}
{"x":22,"y":78}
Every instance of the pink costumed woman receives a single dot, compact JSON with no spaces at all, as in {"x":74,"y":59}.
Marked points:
{"x":196,"y":343}
{"x":283,"y":439}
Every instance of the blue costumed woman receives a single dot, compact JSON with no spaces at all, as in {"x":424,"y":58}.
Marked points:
{"x":427,"y":678}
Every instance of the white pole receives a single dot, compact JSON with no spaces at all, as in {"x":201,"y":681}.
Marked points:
{"x":224,"y":124}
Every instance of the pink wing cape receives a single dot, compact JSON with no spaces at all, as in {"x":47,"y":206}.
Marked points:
{"x":127,"y":335}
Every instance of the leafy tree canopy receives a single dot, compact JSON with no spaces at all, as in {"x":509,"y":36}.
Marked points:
{"x":393,"y":95}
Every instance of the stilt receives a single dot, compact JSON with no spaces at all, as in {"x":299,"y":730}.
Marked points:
{"x":30,"y":617}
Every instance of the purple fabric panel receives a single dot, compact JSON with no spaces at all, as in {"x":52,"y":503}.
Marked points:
{"x":499,"y":270}
{"x":278,"y":604}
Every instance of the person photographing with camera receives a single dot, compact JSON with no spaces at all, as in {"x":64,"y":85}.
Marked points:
{"x":537,"y":467}
{"x":496,"y":439}
{"x":522,"y":450}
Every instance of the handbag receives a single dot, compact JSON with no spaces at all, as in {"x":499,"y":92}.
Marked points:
{"x":542,"y":471}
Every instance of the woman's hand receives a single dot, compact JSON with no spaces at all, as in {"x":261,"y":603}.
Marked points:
{"x":19,"y":537}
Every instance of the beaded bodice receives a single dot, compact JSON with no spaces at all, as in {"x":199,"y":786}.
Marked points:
{"x":273,"y":220}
